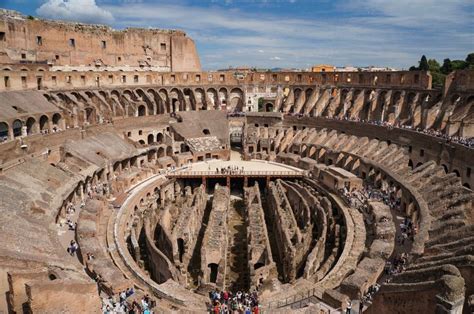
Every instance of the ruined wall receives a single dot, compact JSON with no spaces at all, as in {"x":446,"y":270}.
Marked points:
{"x":82,"y":45}
{"x":260,"y":259}
{"x":214,"y":247}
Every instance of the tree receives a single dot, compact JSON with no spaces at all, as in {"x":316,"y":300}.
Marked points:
{"x":413,"y":68}
{"x":424,"y":64}
{"x":433,"y":65}
{"x":458,"y":64}
{"x":446,"y":68}
{"x":470,"y":60}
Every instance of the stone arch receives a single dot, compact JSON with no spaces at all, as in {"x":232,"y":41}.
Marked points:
{"x":57,"y":119}
{"x":200,"y":98}
{"x":223,"y":96}
{"x":176,"y":101}
{"x":17,"y":128}
{"x":161,"y":152}
{"x":378,"y":111}
{"x":159,"y":138}
{"x":445,"y":168}
{"x":150,"y":139}
{"x":213,"y":97}
{"x":188,"y":97}
{"x":151,"y":106}
{"x":43,"y":123}
{"x":141,"y":111}
{"x":269,"y":107}
{"x":169,"y":151}
{"x":236,"y":100}
{"x":4,"y":132}
{"x":458,"y":174}
{"x":30,"y":126}
{"x":160,"y":105}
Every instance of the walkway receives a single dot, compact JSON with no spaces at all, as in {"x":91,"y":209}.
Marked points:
{"x":253,"y":168}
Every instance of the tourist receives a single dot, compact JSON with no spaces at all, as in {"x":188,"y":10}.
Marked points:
{"x":349,"y":307}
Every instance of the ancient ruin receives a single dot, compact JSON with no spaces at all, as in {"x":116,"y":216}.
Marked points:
{"x":138,"y":170}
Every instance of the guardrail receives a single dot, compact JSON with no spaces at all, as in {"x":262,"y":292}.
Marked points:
{"x":300,"y":298}
{"x":237,"y":174}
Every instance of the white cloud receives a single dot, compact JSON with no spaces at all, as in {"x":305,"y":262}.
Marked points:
{"x":275,"y":58}
{"x":86,"y":11}
{"x":392,"y":36}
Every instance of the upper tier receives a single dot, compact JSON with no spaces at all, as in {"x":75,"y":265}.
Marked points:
{"x":84,"y":46}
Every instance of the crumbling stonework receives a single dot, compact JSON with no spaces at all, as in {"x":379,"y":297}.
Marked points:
{"x":214,"y":249}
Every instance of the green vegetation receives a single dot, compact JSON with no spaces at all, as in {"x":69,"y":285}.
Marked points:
{"x":260,"y":104}
{"x":439,"y":72}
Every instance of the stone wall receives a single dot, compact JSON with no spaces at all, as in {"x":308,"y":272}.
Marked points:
{"x":63,"y":44}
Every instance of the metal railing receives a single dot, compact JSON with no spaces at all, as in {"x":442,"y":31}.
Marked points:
{"x":300,"y":298}
{"x":237,"y":173}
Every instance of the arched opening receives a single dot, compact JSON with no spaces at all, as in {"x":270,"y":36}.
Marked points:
{"x":269,"y":107}
{"x":466,"y":185}
{"x":159,"y":138}
{"x":457,"y":172}
{"x":410,"y":164}
{"x":161,"y":152}
{"x":419,"y":164}
{"x":17,"y":125}
{"x":181,"y":249}
{"x":150,"y":139}
{"x":213,"y":275}
{"x":56,"y":119}
{"x":445,"y":168}
{"x":174,"y":105}
{"x":30,"y":124}
{"x":43,"y":123}
{"x":206,"y":132}
{"x":3,"y":131}
{"x":141,"y":111}
{"x":90,"y":115}
{"x":169,"y":151}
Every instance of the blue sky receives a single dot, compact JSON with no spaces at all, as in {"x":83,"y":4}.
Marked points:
{"x":289,"y":33}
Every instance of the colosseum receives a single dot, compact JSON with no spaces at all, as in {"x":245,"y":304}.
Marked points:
{"x":132,"y":180}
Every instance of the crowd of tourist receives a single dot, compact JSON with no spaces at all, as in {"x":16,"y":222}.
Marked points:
{"x":125,"y":304}
{"x":406,"y":230}
{"x":224,"y":302}
{"x":229,"y":170}
{"x":468,"y":142}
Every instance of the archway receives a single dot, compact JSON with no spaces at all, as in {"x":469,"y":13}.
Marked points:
{"x":141,"y":111}
{"x":269,"y":107}
{"x":159,"y":138}
{"x":213,"y":272}
{"x":17,"y":125}
{"x":3,"y":130}
{"x":57,"y":119}
{"x":150,"y":139}
{"x":43,"y":123}
{"x":30,"y":125}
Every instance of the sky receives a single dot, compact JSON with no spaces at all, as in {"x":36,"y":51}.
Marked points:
{"x":289,"y":33}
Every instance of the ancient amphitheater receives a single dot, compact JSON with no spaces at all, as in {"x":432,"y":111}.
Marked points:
{"x":123,"y":165}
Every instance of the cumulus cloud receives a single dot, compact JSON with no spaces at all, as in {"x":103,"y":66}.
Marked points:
{"x":370,"y":34}
{"x":86,"y":11}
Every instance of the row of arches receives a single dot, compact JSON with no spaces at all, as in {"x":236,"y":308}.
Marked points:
{"x":31,"y":125}
{"x":91,"y":107}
